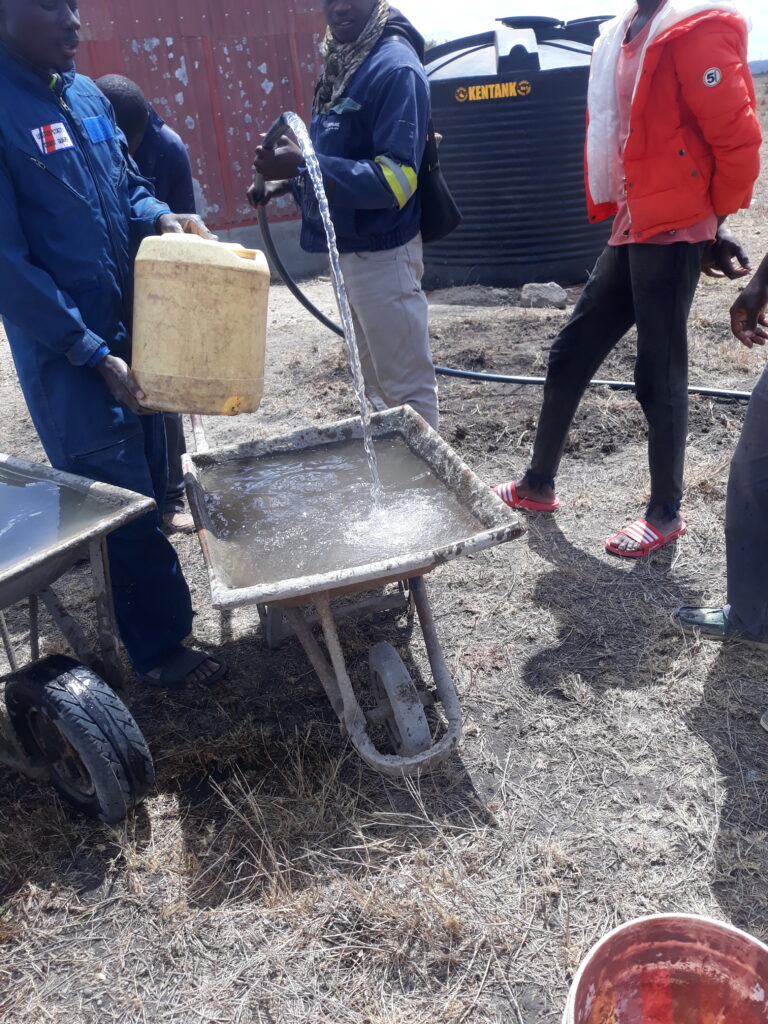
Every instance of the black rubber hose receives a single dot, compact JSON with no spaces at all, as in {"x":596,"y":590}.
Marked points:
{"x":449,"y":371}
{"x":614,"y":385}
{"x":290,"y":284}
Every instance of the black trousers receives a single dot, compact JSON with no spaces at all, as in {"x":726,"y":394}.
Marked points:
{"x":651,"y":286}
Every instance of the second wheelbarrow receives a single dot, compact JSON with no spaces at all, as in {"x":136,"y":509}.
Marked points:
{"x":62,"y":719}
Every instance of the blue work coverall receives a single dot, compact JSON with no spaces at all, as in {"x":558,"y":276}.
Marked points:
{"x":73,"y":211}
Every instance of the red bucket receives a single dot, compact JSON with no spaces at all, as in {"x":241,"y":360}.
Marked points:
{"x":672,"y":969}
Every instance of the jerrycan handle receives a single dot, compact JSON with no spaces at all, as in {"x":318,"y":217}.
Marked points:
{"x":235,"y":248}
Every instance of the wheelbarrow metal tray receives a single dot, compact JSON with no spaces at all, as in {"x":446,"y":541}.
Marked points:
{"x":54,"y":546}
{"x":496,"y":523}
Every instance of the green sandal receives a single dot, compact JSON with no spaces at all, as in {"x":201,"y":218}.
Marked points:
{"x":713,"y":624}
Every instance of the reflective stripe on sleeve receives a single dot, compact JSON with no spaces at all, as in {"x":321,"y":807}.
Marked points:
{"x":401,"y":179}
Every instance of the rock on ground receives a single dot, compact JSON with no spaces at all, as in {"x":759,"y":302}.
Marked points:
{"x":474,"y":295}
{"x":543,"y":295}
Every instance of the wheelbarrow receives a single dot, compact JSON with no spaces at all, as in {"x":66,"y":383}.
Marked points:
{"x":63,"y":720}
{"x":297,"y":601}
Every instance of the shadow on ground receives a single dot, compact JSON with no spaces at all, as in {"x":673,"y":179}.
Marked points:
{"x":735,"y":696}
{"x":613,"y":616}
{"x":269,"y":794}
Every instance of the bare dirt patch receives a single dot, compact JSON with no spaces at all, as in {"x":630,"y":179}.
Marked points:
{"x":611,"y":767}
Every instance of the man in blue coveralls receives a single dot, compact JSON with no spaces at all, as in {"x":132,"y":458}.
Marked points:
{"x":162,"y":159}
{"x":72,"y":214}
{"x":369,"y":128}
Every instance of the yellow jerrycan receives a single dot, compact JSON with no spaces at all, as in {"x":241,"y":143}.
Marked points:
{"x":199,"y":325}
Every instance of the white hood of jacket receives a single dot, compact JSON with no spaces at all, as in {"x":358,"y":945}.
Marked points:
{"x":603,"y":157}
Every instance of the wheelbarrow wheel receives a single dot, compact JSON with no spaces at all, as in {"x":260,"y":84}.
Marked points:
{"x":67,"y":718}
{"x":405,"y":721}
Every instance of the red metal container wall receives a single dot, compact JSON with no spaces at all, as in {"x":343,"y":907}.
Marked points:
{"x":218,"y":72}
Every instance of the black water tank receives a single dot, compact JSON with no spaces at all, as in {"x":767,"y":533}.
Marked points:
{"x":511,"y":107}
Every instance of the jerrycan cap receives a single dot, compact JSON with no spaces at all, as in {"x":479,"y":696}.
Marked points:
{"x":240,"y":250}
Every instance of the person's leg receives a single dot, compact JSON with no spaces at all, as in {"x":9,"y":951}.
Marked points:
{"x":745,"y":617}
{"x":664,"y":279}
{"x":176,"y":446}
{"x":175,"y":517}
{"x":85,"y":432}
{"x":373,"y":389}
{"x":156,"y":456}
{"x":746,"y":521}
{"x":388,"y":301}
{"x":603,"y":315}
{"x":152,"y":602}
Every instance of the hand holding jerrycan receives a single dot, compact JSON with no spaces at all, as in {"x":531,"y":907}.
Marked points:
{"x":200,"y":325}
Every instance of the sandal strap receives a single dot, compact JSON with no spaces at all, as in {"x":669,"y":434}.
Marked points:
{"x":507,"y":492}
{"x":173,"y":672}
{"x":641,"y":532}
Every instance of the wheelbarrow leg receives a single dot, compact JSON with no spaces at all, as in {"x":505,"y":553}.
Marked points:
{"x":226,"y":634}
{"x":317,"y":659}
{"x":73,"y":634}
{"x":8,"y":646}
{"x":441,"y":675}
{"x":34,"y":627}
{"x":107,"y":662}
{"x":109,"y":647}
{"x":354,"y":719}
{"x":334,"y":677}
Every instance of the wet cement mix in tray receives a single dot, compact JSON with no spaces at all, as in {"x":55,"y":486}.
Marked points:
{"x":37,"y":514}
{"x":310,"y":512}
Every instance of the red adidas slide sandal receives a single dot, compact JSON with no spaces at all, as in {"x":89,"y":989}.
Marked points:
{"x":508,"y":494}
{"x":648,"y":537}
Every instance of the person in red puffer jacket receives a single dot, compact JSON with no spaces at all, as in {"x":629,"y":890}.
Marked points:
{"x":672,"y":149}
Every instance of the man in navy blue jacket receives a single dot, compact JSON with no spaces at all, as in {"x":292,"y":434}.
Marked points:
{"x":72,"y":214}
{"x":162,"y":159}
{"x":369,"y":128}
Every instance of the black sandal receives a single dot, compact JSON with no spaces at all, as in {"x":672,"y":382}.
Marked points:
{"x":174,"y":672}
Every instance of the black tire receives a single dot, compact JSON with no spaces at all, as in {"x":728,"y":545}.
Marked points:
{"x":66,"y":717}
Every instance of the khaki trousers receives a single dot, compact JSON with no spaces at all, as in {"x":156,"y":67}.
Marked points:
{"x":391,"y":318}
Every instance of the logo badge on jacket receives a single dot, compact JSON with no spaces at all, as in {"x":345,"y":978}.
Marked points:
{"x":712,"y":77}
{"x":99,"y":128}
{"x":52,"y":137}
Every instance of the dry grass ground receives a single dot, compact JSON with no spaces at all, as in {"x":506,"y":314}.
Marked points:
{"x":611,"y":767}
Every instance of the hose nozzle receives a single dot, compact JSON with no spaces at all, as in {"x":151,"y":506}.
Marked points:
{"x":256,"y":192}
{"x":274,"y":133}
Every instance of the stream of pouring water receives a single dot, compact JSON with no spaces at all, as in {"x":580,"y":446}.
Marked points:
{"x":298,"y":128}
